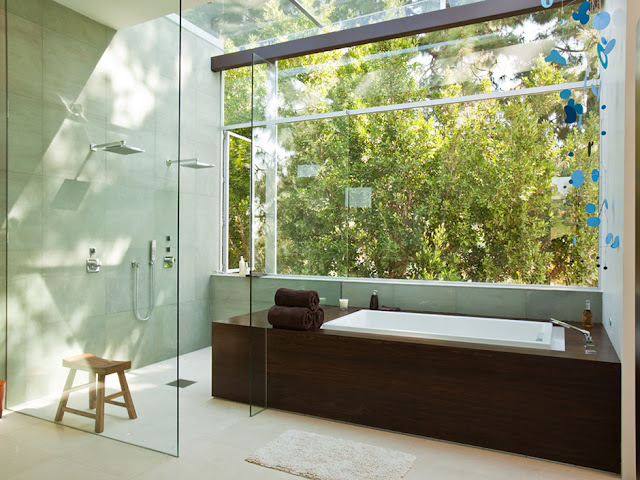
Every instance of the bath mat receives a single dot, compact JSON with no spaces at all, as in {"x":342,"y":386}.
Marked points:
{"x":320,"y":457}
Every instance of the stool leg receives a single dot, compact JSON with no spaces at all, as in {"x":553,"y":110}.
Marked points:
{"x":65,"y":394}
{"x":92,"y":390}
{"x":127,"y":395}
{"x":100,"y":404}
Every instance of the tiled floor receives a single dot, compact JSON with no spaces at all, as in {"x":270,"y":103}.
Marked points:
{"x":217,"y":435}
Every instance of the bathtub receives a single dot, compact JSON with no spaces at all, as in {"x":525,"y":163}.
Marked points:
{"x":493,"y":331}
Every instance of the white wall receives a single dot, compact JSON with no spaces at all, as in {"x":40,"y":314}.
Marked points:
{"x":628,"y":297}
{"x":612,"y":148}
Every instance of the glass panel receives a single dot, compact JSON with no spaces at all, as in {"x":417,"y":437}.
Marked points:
{"x":263,"y":215}
{"x":476,"y":192}
{"x":501,"y":55}
{"x":3,"y":199}
{"x":313,"y":173}
{"x":239,"y":197}
{"x":82,"y":278}
{"x":242,"y":26}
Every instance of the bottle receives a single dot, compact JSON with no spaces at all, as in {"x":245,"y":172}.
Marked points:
{"x":242,"y":267}
{"x":373,"y":303}
{"x":587,"y":317}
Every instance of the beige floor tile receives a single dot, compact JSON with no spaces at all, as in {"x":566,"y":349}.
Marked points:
{"x":217,"y":435}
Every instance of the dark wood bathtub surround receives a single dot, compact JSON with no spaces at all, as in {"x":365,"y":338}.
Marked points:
{"x":562,"y":406}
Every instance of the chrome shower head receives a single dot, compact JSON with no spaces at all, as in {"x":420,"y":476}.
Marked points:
{"x":190,"y":163}
{"x":121,"y":148}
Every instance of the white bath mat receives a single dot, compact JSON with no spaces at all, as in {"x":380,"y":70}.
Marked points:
{"x":326,"y":458}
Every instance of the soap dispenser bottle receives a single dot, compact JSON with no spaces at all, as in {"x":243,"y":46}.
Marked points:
{"x":373,"y":302}
{"x":242,"y":268}
{"x":587,"y":317}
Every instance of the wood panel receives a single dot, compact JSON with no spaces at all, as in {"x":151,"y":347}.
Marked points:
{"x":563,"y":406}
{"x":560,"y":409}
{"x":400,"y":27}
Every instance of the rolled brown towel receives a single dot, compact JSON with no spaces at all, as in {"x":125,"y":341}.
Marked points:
{"x":291,"y":318}
{"x":286,"y":297}
{"x":318,"y":318}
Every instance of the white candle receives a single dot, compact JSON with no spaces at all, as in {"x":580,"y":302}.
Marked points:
{"x":344,"y":303}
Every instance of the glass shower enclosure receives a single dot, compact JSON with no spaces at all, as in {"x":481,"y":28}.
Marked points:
{"x":92,"y":221}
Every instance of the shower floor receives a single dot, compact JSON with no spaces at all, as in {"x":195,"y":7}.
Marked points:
{"x":155,"y":398}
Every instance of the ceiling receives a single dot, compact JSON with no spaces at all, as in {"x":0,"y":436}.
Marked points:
{"x":119,"y":14}
{"x":243,"y":23}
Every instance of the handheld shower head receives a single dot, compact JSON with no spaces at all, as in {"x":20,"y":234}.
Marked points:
{"x":120,"y":147}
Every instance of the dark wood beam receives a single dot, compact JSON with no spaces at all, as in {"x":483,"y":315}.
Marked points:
{"x":401,"y":27}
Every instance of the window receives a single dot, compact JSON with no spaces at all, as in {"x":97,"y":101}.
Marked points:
{"x":444,"y":156}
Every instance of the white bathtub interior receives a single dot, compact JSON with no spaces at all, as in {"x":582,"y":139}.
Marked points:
{"x":493,"y":331}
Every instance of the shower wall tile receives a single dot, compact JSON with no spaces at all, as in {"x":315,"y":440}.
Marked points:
{"x":187,"y":220}
{"x":86,"y":334}
{"x":135,"y":48}
{"x":64,"y":199}
{"x":207,"y":180}
{"x":207,"y":112}
{"x":120,"y":276}
{"x":166,"y":287}
{"x":188,"y":149}
{"x":68,"y":22}
{"x":188,"y":326}
{"x":168,"y":51}
{"x":166,"y":176}
{"x":202,"y":324}
{"x":168,"y":101}
{"x":166,"y":331}
{"x":66,"y":139}
{"x":61,"y":263}
{"x":166,"y":216}
{"x":566,"y":306}
{"x":131,"y":96}
{"x":186,"y":265}
{"x":425,"y":298}
{"x":25,"y":211}
{"x":69,"y":66}
{"x":359,"y":293}
{"x":24,"y":262}
{"x":264,"y":289}
{"x":24,"y":57}
{"x":203,"y":268}
{"x":28,"y":9}
{"x":128,"y":338}
{"x":130,"y":216}
{"x":25,"y":134}
{"x":493,"y":301}
{"x":188,"y":105}
{"x":206,"y":80}
{"x":74,"y":215}
{"x":229,"y":297}
{"x":74,"y":297}
{"x":27,"y":296}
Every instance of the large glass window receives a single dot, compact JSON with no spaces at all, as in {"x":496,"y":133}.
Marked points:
{"x":443,"y":156}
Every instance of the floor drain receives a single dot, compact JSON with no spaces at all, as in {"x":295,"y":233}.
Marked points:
{"x":181,"y":383}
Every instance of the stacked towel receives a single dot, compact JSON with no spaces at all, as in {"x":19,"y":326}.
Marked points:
{"x":287,"y":297}
{"x":296,"y":310}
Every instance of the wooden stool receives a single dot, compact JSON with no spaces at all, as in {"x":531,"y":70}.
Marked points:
{"x":97,"y":367}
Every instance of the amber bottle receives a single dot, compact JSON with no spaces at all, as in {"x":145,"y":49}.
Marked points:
{"x":587,"y":317}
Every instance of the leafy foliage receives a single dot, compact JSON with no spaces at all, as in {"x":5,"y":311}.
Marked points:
{"x":460,"y":191}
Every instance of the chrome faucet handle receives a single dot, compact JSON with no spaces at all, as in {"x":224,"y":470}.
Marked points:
{"x":588,"y":339}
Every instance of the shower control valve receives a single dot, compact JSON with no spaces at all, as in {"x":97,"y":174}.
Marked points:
{"x":93,"y":265}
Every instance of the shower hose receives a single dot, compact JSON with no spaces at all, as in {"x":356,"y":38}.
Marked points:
{"x":136,"y":266}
